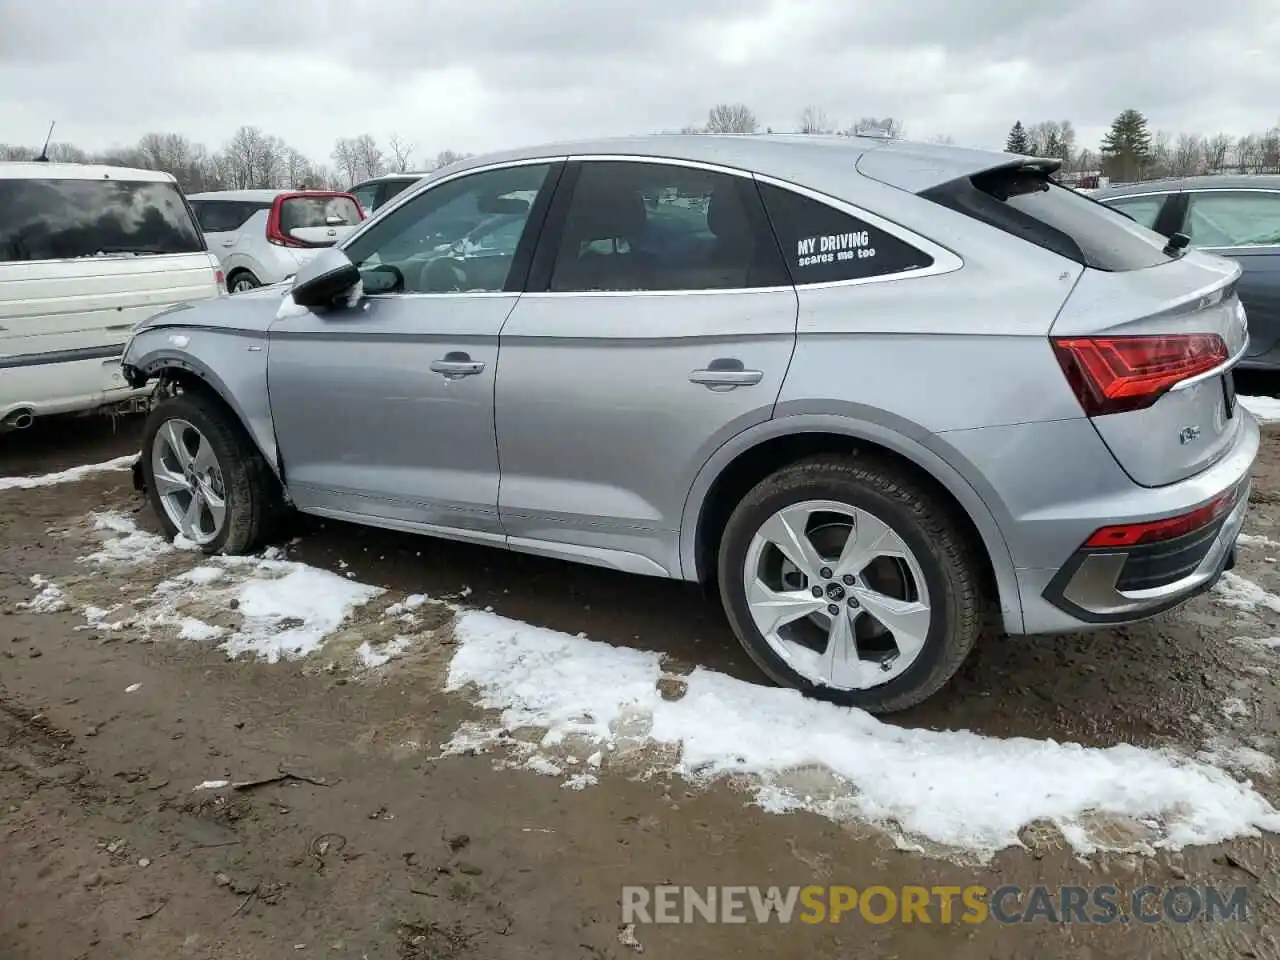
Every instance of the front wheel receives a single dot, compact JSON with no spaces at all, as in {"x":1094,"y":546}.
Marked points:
{"x":851,"y":582}
{"x":204,"y":477}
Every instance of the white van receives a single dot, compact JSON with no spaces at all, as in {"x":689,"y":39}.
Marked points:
{"x":87,"y":252}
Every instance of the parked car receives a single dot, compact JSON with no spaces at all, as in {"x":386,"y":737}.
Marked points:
{"x":886,"y":393}
{"x":263,"y":236}
{"x":86,"y":252}
{"x":373,"y":193}
{"x":1236,"y":217}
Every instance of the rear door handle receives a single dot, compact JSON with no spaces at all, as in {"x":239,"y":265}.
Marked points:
{"x":228,"y":243}
{"x":726,"y":377}
{"x":457,"y":365}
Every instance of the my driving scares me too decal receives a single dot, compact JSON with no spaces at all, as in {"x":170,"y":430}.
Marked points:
{"x":831,"y":247}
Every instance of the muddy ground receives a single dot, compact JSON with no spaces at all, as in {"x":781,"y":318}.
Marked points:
{"x":378,"y":848}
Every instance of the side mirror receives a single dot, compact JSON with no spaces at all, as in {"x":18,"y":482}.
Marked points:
{"x":328,"y":276}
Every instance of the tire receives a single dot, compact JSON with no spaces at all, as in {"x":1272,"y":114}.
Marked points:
{"x":248,"y":487}
{"x":242,"y":280}
{"x":944,"y":555}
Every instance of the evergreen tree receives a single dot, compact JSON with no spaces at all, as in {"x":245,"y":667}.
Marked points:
{"x":1018,"y":141}
{"x":1126,"y":149}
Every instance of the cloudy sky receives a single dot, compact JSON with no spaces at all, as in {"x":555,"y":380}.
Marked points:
{"x":478,"y":74}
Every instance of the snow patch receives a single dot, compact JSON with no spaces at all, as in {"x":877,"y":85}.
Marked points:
{"x":291,"y":613}
{"x":1235,"y":591}
{"x":1249,"y":540}
{"x":49,"y":599}
{"x":958,"y":790}
{"x":124,"y":544}
{"x":373,"y":657}
{"x":286,"y":609}
{"x":66,"y":476}
{"x":1264,"y":409}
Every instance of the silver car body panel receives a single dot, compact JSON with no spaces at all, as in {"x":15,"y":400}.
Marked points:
{"x":583,"y":437}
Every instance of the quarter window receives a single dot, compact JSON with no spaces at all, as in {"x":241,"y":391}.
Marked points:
{"x":1144,"y":210}
{"x":651,"y":226}
{"x":460,"y":236}
{"x":1239,"y":218}
{"x":823,"y":245}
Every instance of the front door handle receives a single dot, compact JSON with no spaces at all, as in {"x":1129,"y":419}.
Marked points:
{"x":725,"y":373}
{"x":457,"y":365}
{"x":228,"y":243}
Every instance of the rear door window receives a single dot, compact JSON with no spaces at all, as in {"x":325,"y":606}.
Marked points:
{"x":49,"y":219}
{"x":654,"y":226}
{"x":1024,"y":202}
{"x":1144,"y":210}
{"x":225,"y":216}
{"x":824,"y":245}
{"x":1233,"y":218}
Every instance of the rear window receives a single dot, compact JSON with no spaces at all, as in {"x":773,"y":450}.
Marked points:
{"x":1025,"y":203}
{"x":318,"y":211}
{"x":65,"y":219}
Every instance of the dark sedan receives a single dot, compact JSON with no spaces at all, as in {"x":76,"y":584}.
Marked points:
{"x":1236,"y":217}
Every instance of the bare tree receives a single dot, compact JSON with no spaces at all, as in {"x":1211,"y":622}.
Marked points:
{"x":297,"y":169}
{"x":345,"y":160}
{"x":1215,"y":153}
{"x":814,"y":120}
{"x":446,"y":157}
{"x":1248,"y":154}
{"x":401,"y":153}
{"x":369,"y":160}
{"x":731,"y":118}
{"x":1188,"y":156}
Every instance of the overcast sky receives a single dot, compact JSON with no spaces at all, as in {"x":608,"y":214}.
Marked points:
{"x":479,"y":74}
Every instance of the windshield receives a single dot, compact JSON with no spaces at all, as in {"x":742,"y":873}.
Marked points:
{"x":65,"y":219}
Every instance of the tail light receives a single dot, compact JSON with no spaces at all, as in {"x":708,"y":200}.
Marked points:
{"x":1170,"y":528}
{"x":220,"y":279}
{"x":1115,"y":374}
{"x":274,"y":232}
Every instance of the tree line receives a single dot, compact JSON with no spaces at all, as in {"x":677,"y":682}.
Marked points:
{"x":1131,"y":151}
{"x":255,"y":159}
{"x":251,"y":159}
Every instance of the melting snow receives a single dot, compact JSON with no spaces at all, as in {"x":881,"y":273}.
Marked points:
{"x":1235,"y":591}
{"x":66,"y":476}
{"x":372,"y":657}
{"x":287,"y":609}
{"x":125,"y":545}
{"x":50,"y":599}
{"x":957,"y":789}
{"x":1265,"y":409}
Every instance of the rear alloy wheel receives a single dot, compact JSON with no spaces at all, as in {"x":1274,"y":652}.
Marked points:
{"x":851,"y":583}
{"x":205,"y":478}
{"x":242,"y":281}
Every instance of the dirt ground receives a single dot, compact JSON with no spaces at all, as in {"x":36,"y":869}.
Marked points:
{"x":376,"y":849}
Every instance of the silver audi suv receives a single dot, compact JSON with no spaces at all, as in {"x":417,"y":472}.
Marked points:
{"x":883,"y":395}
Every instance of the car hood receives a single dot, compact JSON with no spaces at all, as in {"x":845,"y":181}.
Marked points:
{"x":252,"y":310}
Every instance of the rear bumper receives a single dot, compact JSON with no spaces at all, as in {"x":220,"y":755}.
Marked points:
{"x":68,"y":387}
{"x":1118,"y":585}
{"x":1098,"y":587}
